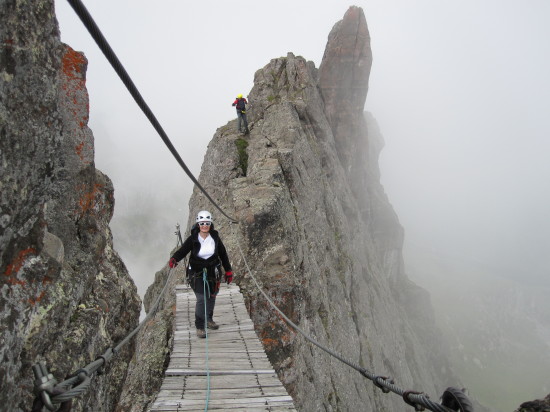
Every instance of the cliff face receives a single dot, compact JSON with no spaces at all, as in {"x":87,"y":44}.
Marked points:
{"x":318,"y":231}
{"x":65,"y":294}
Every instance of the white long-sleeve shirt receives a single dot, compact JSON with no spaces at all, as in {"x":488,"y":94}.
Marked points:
{"x":208,"y":247}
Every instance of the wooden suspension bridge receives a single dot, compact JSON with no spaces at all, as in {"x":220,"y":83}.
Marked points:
{"x":241,"y":377}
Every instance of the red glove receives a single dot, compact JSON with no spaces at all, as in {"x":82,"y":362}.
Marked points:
{"x":172,"y":263}
{"x":228,"y":277}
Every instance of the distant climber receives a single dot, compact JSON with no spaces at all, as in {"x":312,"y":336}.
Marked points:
{"x":240,"y":104}
{"x":208,"y":255}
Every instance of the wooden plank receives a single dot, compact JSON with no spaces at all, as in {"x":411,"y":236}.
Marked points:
{"x":224,"y":381}
{"x":265,"y":400}
{"x":247,"y":339}
{"x":212,"y":361}
{"x":202,"y":372}
{"x":221,"y":360}
{"x":218,"y":341}
{"x":220,"y":347}
{"x":233,"y":331}
{"x":221,"y":351}
{"x":220,"y":366}
{"x":228,"y":354}
{"x":222,"y":406}
{"x":218,"y":344}
{"x":225,"y":325}
{"x":222,"y":393}
{"x":274,"y":408}
{"x":221,"y":382}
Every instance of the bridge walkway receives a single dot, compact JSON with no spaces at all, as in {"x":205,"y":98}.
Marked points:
{"x":241,"y":377}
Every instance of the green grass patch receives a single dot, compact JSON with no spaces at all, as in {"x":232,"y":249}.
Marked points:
{"x":242,"y":144}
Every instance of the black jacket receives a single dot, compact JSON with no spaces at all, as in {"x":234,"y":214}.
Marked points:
{"x":193,"y":245}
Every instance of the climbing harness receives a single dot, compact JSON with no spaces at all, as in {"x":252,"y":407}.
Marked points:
{"x":49,"y":392}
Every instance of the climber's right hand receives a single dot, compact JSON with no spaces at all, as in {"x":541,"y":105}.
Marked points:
{"x":172,"y":263}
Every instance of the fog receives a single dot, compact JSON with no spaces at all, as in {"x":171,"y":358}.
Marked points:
{"x":460,"y":91}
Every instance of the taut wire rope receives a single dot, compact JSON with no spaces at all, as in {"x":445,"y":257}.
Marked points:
{"x":104,"y":46}
{"x":386,"y":384}
{"x":46,"y":385}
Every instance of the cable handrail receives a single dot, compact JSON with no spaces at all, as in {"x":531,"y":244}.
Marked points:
{"x":108,"y":52}
{"x":386,"y":384}
{"x":46,"y":385}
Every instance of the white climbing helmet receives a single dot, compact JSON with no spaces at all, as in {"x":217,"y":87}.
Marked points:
{"x":204,"y":216}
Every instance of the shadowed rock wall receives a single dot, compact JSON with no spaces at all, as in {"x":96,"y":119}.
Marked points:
{"x":65,"y":294}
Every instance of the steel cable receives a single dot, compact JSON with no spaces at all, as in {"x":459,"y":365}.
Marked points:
{"x":82,"y":376}
{"x":104,"y":46}
{"x":411,"y":397}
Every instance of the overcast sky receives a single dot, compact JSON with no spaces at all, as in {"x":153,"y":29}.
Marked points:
{"x":460,"y":89}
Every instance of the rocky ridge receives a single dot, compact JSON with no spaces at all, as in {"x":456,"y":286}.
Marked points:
{"x":539,"y":405}
{"x":315,"y":226}
{"x":66,"y":294}
{"x":319,"y":233}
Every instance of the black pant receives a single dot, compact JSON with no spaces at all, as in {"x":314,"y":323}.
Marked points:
{"x":210,"y":300}
{"x":205,"y":292}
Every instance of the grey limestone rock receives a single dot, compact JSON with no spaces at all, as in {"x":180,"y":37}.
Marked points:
{"x":539,"y":405}
{"x":319,"y":233}
{"x":66,"y":296}
{"x":53,"y":246}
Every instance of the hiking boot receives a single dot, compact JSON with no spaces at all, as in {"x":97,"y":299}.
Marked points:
{"x":213,"y":325}
{"x":201,"y":333}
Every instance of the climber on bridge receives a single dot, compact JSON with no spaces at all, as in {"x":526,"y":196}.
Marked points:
{"x":240,"y":104}
{"x":208,"y":255}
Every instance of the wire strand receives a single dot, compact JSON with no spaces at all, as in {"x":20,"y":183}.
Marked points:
{"x":104,"y":46}
{"x":415,"y":397}
{"x":92,"y":367}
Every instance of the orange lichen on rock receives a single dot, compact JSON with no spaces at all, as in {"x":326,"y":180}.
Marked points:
{"x":16,"y":265}
{"x":73,"y":64}
{"x":34,"y":301}
{"x":79,"y":148}
{"x":88,"y":200}
{"x":269,"y":343}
